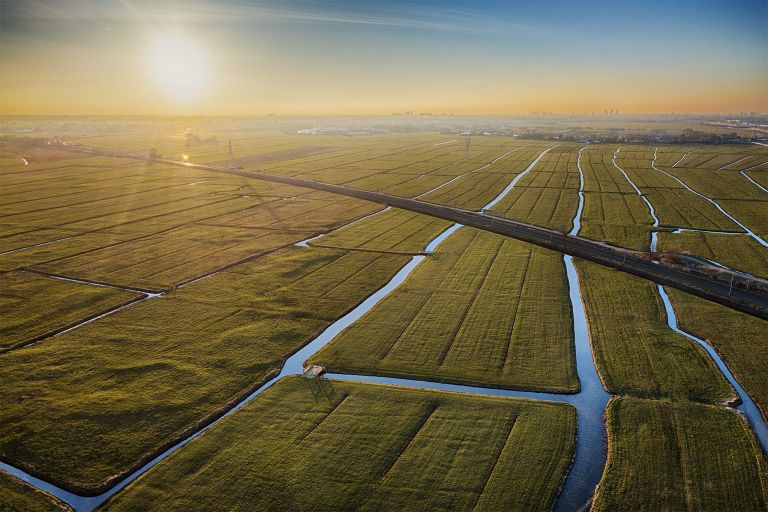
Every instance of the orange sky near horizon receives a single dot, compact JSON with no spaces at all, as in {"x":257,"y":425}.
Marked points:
{"x":102,"y":62}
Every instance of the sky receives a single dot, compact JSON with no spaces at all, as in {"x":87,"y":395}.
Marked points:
{"x":310,"y":57}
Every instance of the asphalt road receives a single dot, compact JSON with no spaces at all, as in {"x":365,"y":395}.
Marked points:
{"x":628,"y":261}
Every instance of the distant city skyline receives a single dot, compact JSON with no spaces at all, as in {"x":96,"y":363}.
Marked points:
{"x":307,"y":57}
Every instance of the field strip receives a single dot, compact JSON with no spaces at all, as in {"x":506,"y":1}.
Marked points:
{"x":755,"y":166}
{"x":651,"y":210}
{"x":41,"y":244}
{"x":747,"y":406}
{"x":744,"y":173}
{"x":677,"y":231}
{"x":142,"y":291}
{"x":757,"y":238}
{"x":517,"y":178}
{"x":599,"y":252}
{"x":484,"y":166}
{"x":732,"y":163}
{"x":235,"y":263}
{"x":446,"y":142}
{"x":678,"y":162}
{"x":78,"y":323}
{"x":588,"y":461}
{"x":305,"y":243}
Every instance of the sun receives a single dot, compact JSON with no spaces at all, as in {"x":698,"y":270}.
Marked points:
{"x":179,"y":66}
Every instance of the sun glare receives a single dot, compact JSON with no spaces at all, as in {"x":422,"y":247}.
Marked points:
{"x":179,"y":66}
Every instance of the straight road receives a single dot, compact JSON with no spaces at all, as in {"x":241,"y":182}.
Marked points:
{"x":625,"y":260}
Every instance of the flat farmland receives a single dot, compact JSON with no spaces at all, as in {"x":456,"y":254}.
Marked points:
{"x":547,"y":195}
{"x":334,"y":445}
{"x":483,"y":310}
{"x":316,"y":211}
{"x":483,"y":180}
{"x":613,"y":211}
{"x":17,"y":496}
{"x":635,"y":351}
{"x":618,"y":218}
{"x":739,"y":252}
{"x":739,"y":339}
{"x":600,"y":174}
{"x":391,"y":230}
{"x":680,"y":208}
{"x":680,"y":456}
{"x":86,"y":407}
{"x":164,"y":260}
{"x":733,"y":192}
{"x":94,"y":402}
{"x":32,"y":306}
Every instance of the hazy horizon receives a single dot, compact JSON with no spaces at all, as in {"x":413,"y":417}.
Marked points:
{"x":205,"y":58}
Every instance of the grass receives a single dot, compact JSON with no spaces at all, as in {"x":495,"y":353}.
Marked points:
{"x":96,"y":401}
{"x":32,"y":305}
{"x":680,"y":208}
{"x":393,"y":230}
{"x":548,"y":195}
{"x":739,"y":339}
{"x":739,"y":252}
{"x":18,"y":496}
{"x":333,"y":445}
{"x":484,"y":310}
{"x":479,"y":180}
{"x":680,"y":456}
{"x":618,"y":218}
{"x":634,"y":349}
{"x":162,"y":260}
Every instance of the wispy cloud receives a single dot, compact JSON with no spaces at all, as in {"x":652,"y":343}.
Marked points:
{"x":391,"y":14}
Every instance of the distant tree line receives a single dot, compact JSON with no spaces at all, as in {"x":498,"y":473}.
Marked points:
{"x":194,"y":140}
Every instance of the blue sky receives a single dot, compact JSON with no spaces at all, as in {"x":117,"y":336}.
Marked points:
{"x":75,"y":56}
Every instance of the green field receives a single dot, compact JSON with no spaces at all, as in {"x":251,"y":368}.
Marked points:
{"x":164,"y":260}
{"x":635,"y":351}
{"x":333,"y":445}
{"x":32,"y":306}
{"x":484,"y":179}
{"x":390,"y":231}
{"x":84,"y":407}
{"x":618,"y":218}
{"x":739,"y":339}
{"x":94,"y":402}
{"x":739,"y":252}
{"x":670,"y":456}
{"x":548,"y":194}
{"x":483,"y":310}
{"x":17,"y":496}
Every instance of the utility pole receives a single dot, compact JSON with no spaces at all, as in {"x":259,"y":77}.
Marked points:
{"x":231,"y":156}
{"x":467,"y":141}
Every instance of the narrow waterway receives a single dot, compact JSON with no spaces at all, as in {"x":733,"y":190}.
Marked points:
{"x":747,"y":406}
{"x":651,"y":209}
{"x":493,"y":202}
{"x":744,"y":173}
{"x":677,"y":231}
{"x":590,"y":402}
{"x":484,"y":166}
{"x":757,"y":238}
{"x":732,"y":163}
{"x":681,"y":159}
{"x":41,"y":244}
